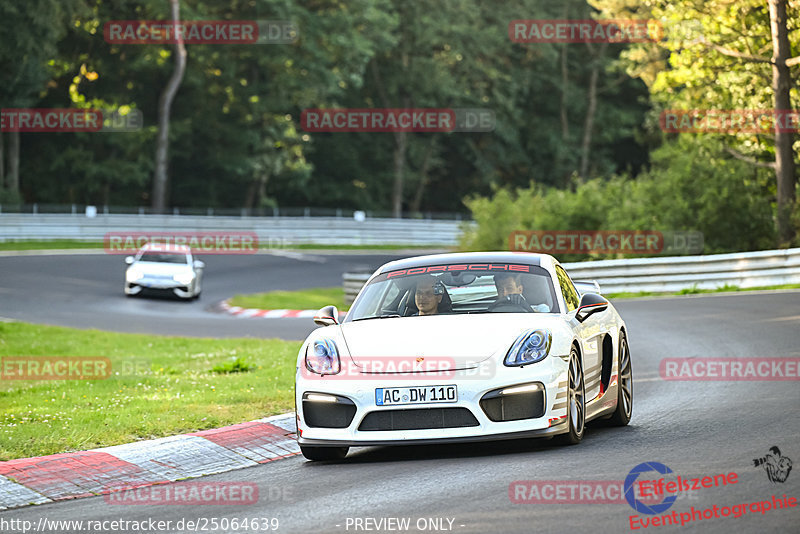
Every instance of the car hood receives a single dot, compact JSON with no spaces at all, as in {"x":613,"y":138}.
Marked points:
{"x":160,"y":268}
{"x":444,"y":341}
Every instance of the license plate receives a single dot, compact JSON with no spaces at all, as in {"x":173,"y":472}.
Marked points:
{"x":415,"y":395}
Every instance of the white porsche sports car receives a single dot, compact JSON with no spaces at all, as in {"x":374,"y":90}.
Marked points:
{"x":462,"y":347}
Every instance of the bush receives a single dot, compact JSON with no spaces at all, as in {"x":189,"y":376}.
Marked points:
{"x":692,"y":185}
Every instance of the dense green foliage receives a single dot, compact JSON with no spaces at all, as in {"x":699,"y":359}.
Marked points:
{"x":690,"y":187}
{"x":235,"y":122}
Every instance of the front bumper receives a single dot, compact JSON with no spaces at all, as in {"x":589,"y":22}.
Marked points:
{"x":159,"y":285}
{"x":473,"y":385}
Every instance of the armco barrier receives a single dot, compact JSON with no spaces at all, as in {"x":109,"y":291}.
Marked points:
{"x":275,"y":232}
{"x":741,"y":269}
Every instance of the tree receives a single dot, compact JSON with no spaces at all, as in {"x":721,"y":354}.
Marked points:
{"x":31,"y":31}
{"x":712,"y":57}
{"x":161,"y":176}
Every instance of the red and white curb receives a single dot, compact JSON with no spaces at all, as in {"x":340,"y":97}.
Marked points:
{"x":100,"y":471}
{"x":268,"y":314}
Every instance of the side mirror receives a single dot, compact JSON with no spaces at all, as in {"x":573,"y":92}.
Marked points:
{"x":129,"y":260}
{"x":590,"y":303}
{"x":199,"y":264}
{"x":327,"y":316}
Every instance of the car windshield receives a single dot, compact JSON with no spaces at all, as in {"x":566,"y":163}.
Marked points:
{"x":163,"y":257}
{"x":456,"y":289}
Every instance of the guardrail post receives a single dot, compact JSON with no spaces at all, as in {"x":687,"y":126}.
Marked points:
{"x":35,"y":209}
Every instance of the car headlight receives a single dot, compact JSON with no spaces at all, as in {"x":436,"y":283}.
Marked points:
{"x":322,"y":357}
{"x":132,"y":275}
{"x":530,"y":347}
{"x":184,"y":278}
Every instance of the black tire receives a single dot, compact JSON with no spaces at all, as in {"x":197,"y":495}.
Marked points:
{"x":576,"y":402}
{"x":323,"y":454}
{"x":622,"y":415}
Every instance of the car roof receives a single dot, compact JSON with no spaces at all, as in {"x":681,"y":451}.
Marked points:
{"x":524,"y":258}
{"x":162,"y":247}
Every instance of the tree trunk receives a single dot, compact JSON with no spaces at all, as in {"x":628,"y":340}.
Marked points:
{"x":784,"y":156}
{"x":161,"y":178}
{"x":13,"y":162}
{"x":591,"y":109}
{"x":423,"y":175}
{"x":401,"y":141}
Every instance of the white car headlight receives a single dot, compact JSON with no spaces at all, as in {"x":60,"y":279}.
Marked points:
{"x":132,"y":275}
{"x":530,"y":347}
{"x":184,"y":278}
{"x":322,"y":357}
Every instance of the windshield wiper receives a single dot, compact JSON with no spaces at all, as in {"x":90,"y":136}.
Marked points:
{"x":376,"y":317}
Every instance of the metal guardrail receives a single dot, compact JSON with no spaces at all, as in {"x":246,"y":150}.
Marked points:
{"x":276,"y":232}
{"x":668,"y":274}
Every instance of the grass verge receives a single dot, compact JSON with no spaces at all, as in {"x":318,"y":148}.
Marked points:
{"x":304,"y":299}
{"x":159,"y":386}
{"x":695,"y":291}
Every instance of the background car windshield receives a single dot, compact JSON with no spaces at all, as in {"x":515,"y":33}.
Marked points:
{"x":163,"y":257}
{"x":458,"y":292}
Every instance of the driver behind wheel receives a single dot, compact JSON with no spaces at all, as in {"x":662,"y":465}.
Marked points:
{"x":509,"y":289}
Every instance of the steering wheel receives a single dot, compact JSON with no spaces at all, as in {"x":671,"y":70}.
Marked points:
{"x":511,"y":301}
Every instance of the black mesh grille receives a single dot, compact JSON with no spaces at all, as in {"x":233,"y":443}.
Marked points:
{"x":418,"y":419}
{"x":329,"y":415}
{"x":514,"y":407}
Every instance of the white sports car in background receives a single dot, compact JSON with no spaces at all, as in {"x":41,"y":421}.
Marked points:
{"x":462,"y":347}
{"x":164,"y":269}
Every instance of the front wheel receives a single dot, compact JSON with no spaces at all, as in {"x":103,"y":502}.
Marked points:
{"x":322,"y":454}
{"x":576,"y":402}
{"x":622,"y":415}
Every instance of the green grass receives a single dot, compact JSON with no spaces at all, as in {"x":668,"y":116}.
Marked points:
{"x":385,"y":246}
{"x":304,"y":299}
{"x":694,"y":290}
{"x":159,"y":386}
{"x":49,"y":245}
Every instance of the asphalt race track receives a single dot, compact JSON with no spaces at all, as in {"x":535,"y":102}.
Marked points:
{"x":85,"y":291}
{"x":696,"y":428}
